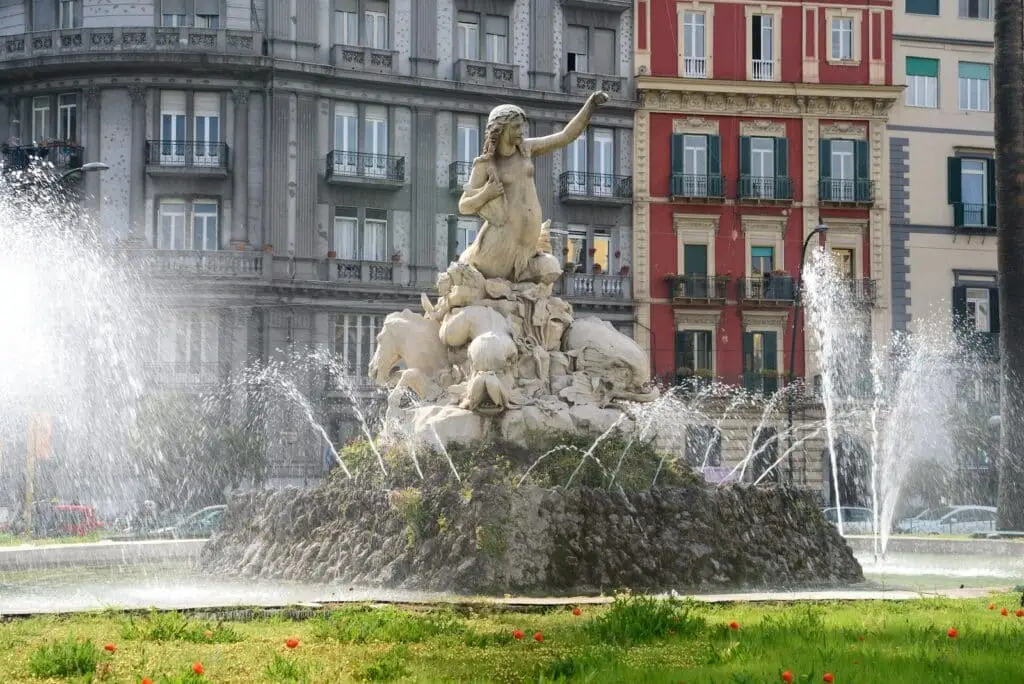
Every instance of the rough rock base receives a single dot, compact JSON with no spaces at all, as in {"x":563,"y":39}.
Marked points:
{"x":496,"y":539}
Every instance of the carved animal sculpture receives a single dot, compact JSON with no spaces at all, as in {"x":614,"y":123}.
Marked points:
{"x":603,"y":352}
{"x":410,"y":339}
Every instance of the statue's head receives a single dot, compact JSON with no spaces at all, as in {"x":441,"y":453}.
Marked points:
{"x":504,"y":129}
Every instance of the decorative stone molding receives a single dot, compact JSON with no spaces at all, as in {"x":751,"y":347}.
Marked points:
{"x":763,"y":128}
{"x":844,"y":129}
{"x":708,"y":10}
{"x":696,"y":229}
{"x":764,"y":230}
{"x":846,"y":226}
{"x":772,"y":225}
{"x":855,"y":15}
{"x":92,"y":96}
{"x":697,"y":319}
{"x":765,"y":319}
{"x":695,"y":124}
{"x":240,"y":96}
{"x":702,"y":99}
{"x":137,"y":93}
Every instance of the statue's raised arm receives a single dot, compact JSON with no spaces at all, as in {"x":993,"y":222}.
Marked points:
{"x":572,"y":130}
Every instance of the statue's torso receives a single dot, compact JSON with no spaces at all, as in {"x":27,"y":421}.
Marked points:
{"x":522,"y":207}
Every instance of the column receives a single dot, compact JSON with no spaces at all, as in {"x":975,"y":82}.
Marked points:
{"x":13,"y":120}
{"x":137,"y":177}
{"x":240,"y":170}
{"x":92,"y":151}
{"x":542,"y":37}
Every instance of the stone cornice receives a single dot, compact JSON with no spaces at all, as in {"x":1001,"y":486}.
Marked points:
{"x":764,"y":318}
{"x":697,"y":318}
{"x":752,"y":98}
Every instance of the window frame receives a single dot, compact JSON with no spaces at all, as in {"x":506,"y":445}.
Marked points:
{"x":41,"y":107}
{"x":971,"y":84}
{"x":64,"y":113}
{"x":187,"y":15}
{"x":362,"y":218}
{"x":982,"y":313}
{"x":933,"y":10}
{"x":366,"y":327}
{"x":481,"y":17}
{"x":188,"y":205}
{"x":964,"y":10}
{"x":842,"y":28}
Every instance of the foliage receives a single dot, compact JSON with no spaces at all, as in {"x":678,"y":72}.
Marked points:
{"x":386,"y":668}
{"x":65,"y":658}
{"x":174,"y":626}
{"x":365,"y":624}
{"x":285,"y":671}
{"x":641,"y":619}
{"x":190,"y":450}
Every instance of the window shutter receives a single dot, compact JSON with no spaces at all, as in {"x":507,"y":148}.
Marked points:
{"x":684,"y":350}
{"x":695,"y":259}
{"x":993,"y":307}
{"x":677,"y":153}
{"x":953,"y":186}
{"x":714,"y":155}
{"x":922,"y":66}
{"x":744,"y":155}
{"x":704,"y":360}
{"x":771,"y":351}
{"x":990,"y":179}
{"x":748,"y":351}
{"x":825,"y":159}
{"x":959,"y":308}
{"x":781,"y":157}
{"x":453,"y":237}
{"x":861,"y":173}
{"x":207,"y":7}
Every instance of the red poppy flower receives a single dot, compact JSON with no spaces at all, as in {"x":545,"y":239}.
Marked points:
{"x":860,"y":637}
{"x":828,"y":678}
{"x":1020,"y":612}
{"x":538,"y":637}
{"x":787,"y":676}
{"x":734,"y":625}
{"x":991,"y":606}
{"x":198,"y":668}
{"x":1004,"y":612}
{"x":517,"y":634}
{"x":208,"y":634}
{"x":110,"y":648}
{"x":576,"y":611}
{"x":146,"y":680}
{"x":952,"y":633}
{"x":292,"y":643}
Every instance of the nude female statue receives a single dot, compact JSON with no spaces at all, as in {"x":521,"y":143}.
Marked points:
{"x":512,"y":244}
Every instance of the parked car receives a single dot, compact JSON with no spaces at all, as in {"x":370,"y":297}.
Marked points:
{"x":951,"y":520}
{"x":62,"y":520}
{"x":856,"y":519}
{"x":198,"y":525}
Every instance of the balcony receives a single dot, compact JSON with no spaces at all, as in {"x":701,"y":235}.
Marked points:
{"x":767,"y":290}
{"x":486,"y":73}
{"x":600,"y":5}
{"x":595,"y":188}
{"x":764,"y":382}
{"x":144,"y":40}
{"x":697,"y":187}
{"x":234,"y":264}
{"x":63,"y":156}
{"x":698,"y":288}
{"x":366,"y":59}
{"x":860,"y":290}
{"x":766,"y":189}
{"x":840,"y":191}
{"x":186,"y":374}
{"x":762,"y":70}
{"x":362,"y":169}
{"x":579,"y":83}
{"x":969,"y":217}
{"x":695,"y":67}
{"x":594,"y":286}
{"x":186,"y":158}
{"x":458,"y":176}
{"x":353,"y":270}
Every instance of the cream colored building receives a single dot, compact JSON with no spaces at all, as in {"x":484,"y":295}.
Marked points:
{"x":941,"y":147}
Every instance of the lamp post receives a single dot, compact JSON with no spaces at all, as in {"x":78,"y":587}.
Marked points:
{"x":820,"y":229}
{"x":84,"y":168}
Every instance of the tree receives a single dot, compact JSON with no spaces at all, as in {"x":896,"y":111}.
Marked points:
{"x":1009,"y":125}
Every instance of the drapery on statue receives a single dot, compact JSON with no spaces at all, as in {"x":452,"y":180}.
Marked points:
{"x":512,"y":243}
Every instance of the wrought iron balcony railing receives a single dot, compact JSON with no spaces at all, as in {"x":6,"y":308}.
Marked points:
{"x":860,"y":290}
{"x":458,"y":175}
{"x":62,"y":155}
{"x":187,"y":154}
{"x":385,"y":168}
{"x":769,"y":188}
{"x":697,"y":186}
{"x":768,"y":288}
{"x":761,"y":382}
{"x":846,"y":191}
{"x":595,"y":186}
{"x":967,"y":215}
{"x":699,"y":286}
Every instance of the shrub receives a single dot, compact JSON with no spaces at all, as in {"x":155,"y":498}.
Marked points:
{"x":285,"y":671}
{"x":366,"y":624}
{"x":69,"y":658}
{"x":641,"y":619}
{"x":386,"y":668}
{"x":174,"y":626}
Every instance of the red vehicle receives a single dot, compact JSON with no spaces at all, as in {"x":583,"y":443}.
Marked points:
{"x":65,"y":520}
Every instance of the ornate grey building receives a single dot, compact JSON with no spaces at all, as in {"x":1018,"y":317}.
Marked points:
{"x":300,"y":161}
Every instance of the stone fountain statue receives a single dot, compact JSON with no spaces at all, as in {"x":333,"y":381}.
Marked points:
{"x":497,"y":344}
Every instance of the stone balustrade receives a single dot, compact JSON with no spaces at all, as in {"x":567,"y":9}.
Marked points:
{"x":144,"y":39}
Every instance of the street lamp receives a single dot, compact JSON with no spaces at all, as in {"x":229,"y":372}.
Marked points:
{"x":84,"y":168}
{"x":820,"y":229}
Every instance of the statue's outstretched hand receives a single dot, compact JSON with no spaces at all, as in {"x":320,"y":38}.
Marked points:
{"x":598,"y":98}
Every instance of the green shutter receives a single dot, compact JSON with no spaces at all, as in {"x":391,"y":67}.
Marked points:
{"x":771,"y":351}
{"x":953,"y":179}
{"x":704,"y":358}
{"x":974,"y":70}
{"x":922,"y":66}
{"x":684,"y":350}
{"x":695,"y":259}
{"x":990,"y":178}
{"x":744,"y":155}
{"x":748,"y":351}
{"x":923,"y":7}
{"x":993,"y":307}
{"x":781,"y":157}
{"x":714,"y":155}
{"x":861,"y":172}
{"x":959,"y":308}
{"x":677,"y":153}
{"x":825,"y":159}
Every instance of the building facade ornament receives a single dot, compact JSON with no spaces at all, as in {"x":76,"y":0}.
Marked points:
{"x":137,"y":93}
{"x":844,"y":129}
{"x":763,"y":128}
{"x":711,"y":103}
{"x":689,"y":319}
{"x":695,"y":124}
{"x":240,"y":96}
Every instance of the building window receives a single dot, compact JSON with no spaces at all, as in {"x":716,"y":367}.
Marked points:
{"x":375,"y":235}
{"x":206,"y":129}
{"x":171,"y":233}
{"x":496,"y":39}
{"x":694,"y":46}
{"x":974,"y":87}
{"x":929,"y":7}
{"x":576,"y":48}
{"x":762,"y":260}
{"x":376,"y":29}
{"x":204,"y":226}
{"x":576,"y":250}
{"x":922,"y":82}
{"x":978,"y":301}
{"x":465,"y":232}
{"x":762,"y":44}
{"x":467,"y":36}
{"x":695,"y":164}
{"x":192,"y":341}
{"x":352,"y":158}
{"x":760,"y":361}
{"x":68,"y":14}
{"x":346,"y":127}
{"x":976,"y":309}
{"x":693,"y":352}
{"x":67,"y":117}
{"x":353,"y":244}
{"x":844,"y":261}
{"x":604,"y":161}
{"x":355,"y":341}
{"x":467,"y":138}
{"x":377,"y":141}
{"x":842,"y":38}
{"x":173,"y":20}
{"x":703,"y":446}
{"x":346,"y":28}
{"x":762,"y":161}
{"x":41,"y":119}
{"x":346,"y":233}
{"x":975,"y":9}
{"x":844,"y":171}
{"x":576,"y":165}
{"x":174,"y":217}
{"x":374,"y":15}
{"x":600,"y":253}
{"x":972,"y":190}
{"x":172,"y":127}
{"x":492,"y":42}
{"x":590,"y":50}
{"x":208,"y":21}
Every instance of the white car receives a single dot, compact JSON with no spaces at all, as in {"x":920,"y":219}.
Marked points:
{"x":856,"y":519}
{"x":952,"y":520}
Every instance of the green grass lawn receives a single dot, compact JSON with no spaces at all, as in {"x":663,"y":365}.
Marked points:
{"x":633,"y":640}
{"x":7,"y":539}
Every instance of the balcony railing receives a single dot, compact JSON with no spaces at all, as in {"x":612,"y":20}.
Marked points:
{"x":362,"y":271}
{"x":458,"y":175}
{"x":600,"y":5}
{"x":860,"y":290}
{"x":364,"y":59}
{"x":140,"y":39}
{"x":362,"y":168}
{"x":594,"y":286}
{"x":200,"y":263}
{"x":699,"y":287}
{"x":486,"y":73}
{"x":766,"y":188}
{"x":579,"y":83}
{"x":63,"y":156}
{"x":187,"y":155}
{"x":185,"y":374}
{"x":697,"y":186}
{"x":769,"y":288}
{"x":762,"y":70}
{"x":846,"y":191}
{"x":574,"y":185}
{"x":761,"y":382}
{"x":695,"y":67}
{"x":969,"y":216}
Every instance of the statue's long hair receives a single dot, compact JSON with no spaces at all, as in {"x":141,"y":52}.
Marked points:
{"x":500,"y":117}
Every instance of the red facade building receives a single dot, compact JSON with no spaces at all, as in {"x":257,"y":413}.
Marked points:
{"x":757,"y":123}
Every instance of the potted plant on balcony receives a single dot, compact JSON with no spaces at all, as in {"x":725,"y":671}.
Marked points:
{"x":331,"y":254}
{"x":396,"y":257}
{"x":624,"y":270}
{"x":683,"y":373}
{"x":618,"y":253}
{"x":592,"y":251}
{"x":597,"y":269}
{"x":568,"y":267}
{"x":267,"y":247}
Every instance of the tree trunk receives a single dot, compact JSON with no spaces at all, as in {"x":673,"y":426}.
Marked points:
{"x":1009,"y":124}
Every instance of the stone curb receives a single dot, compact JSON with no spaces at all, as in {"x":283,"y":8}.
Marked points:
{"x":98,"y":554}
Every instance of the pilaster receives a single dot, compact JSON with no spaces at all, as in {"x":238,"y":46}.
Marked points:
{"x":641,"y":237}
{"x":423,"y":238}
{"x":240,"y":170}
{"x":542,"y":38}
{"x":137,"y":190}
{"x":92,"y":150}
{"x":13,"y":118}
{"x":424,"y":38}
